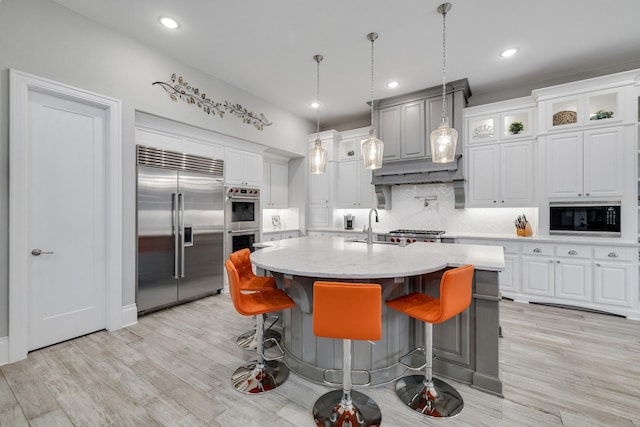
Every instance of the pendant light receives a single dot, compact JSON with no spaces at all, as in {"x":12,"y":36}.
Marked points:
{"x":372,"y":147}
{"x":318,"y":154}
{"x":444,"y":139}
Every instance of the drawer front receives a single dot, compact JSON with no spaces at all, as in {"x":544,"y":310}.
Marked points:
{"x":613,"y":253}
{"x":510,"y":247}
{"x":537,"y":249}
{"x":573,"y":251}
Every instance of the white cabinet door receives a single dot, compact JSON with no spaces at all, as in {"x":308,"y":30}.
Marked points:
{"x":366,"y":190}
{"x":537,"y":275}
{"x":603,"y":162}
{"x":320,"y":197}
{"x":573,"y":279}
{"x":278,"y":185}
{"x":233,"y":167}
{"x":516,"y":178}
{"x":348,"y":184}
{"x":585,"y":164}
{"x":319,"y":187}
{"x":242,"y":168}
{"x":354,"y":186}
{"x":509,"y":277}
{"x":613,"y":281}
{"x":482,"y":184}
{"x":252,"y":169}
{"x":564,"y":165}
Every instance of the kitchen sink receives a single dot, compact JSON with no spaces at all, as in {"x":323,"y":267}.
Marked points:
{"x":377,"y":242}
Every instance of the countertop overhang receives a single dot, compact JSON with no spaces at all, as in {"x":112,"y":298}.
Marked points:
{"x":340,"y":258}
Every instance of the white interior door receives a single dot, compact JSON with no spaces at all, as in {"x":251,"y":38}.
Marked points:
{"x":65,"y":220}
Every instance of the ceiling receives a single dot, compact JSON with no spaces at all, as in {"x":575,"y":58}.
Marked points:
{"x":267,"y":47}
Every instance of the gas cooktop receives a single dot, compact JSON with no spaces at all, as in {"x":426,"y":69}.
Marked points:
{"x":418,"y":232}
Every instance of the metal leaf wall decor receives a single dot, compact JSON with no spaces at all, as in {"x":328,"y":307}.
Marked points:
{"x":177,"y":88}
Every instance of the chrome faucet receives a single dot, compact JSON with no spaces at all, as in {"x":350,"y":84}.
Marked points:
{"x":370,"y":230}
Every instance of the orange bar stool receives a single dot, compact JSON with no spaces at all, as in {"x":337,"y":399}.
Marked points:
{"x":263,"y":374}
{"x":348,"y":311}
{"x":424,"y":393}
{"x":249,"y":282}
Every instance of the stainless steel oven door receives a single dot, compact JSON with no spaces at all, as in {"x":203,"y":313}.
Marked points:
{"x":242,"y":209}
{"x":241,"y":239}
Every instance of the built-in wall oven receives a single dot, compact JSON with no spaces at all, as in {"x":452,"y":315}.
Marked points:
{"x":585,"y":218}
{"x":242,"y":218}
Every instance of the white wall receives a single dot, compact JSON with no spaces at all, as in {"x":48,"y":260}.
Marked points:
{"x":43,"y":38}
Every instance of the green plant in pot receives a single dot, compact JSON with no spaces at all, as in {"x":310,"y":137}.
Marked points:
{"x":515,"y":128}
{"x":602,"y":114}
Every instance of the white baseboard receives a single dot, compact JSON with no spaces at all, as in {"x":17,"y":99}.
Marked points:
{"x":4,"y":350}
{"x":129,"y":315}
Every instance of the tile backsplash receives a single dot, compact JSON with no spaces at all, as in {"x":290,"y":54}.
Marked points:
{"x":408,"y":210}
{"x":289,"y":219}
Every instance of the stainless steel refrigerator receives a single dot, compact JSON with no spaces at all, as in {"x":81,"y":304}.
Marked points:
{"x":180,"y":226}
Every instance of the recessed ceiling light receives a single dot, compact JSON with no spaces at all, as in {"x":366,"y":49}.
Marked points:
{"x":508,"y":52}
{"x":314,"y":104}
{"x":169,"y":22}
{"x":393,"y":85}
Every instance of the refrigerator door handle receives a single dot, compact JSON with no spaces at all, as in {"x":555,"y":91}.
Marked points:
{"x":176,"y":234}
{"x":181,"y":228}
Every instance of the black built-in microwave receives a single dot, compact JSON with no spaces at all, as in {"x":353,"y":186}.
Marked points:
{"x":585,"y":218}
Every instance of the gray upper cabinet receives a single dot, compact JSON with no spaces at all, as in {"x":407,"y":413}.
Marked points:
{"x":405,"y":122}
{"x":389,"y":132}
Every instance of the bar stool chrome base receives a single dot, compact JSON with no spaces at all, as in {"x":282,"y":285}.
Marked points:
{"x":330,"y":411}
{"x":439,"y":401}
{"x":251,"y":378}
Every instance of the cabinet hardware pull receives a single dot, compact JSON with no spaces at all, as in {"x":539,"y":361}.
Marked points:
{"x":38,"y":252}
{"x":598,"y":265}
{"x":537,"y":250}
{"x":579,"y":194}
{"x":613,"y":255}
{"x":572,"y":252}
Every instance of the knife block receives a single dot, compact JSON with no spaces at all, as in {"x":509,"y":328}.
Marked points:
{"x":527,"y":231}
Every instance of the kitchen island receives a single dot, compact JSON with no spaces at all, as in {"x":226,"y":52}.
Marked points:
{"x":466,"y":346}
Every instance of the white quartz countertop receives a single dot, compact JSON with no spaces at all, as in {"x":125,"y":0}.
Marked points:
{"x":340,"y":258}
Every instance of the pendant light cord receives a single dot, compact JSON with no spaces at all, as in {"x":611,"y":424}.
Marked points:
{"x":372,"y":40}
{"x":372,"y":37}
{"x":444,"y":63}
{"x":318,"y":58}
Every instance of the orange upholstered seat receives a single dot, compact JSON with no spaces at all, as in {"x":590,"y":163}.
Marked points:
{"x":347,"y":310}
{"x":455,"y":297}
{"x":247,"y":280}
{"x":251,"y":304}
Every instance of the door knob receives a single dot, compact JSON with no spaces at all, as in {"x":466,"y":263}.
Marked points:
{"x":38,"y":252}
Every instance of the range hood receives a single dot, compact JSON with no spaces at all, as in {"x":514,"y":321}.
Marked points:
{"x":418,"y":171}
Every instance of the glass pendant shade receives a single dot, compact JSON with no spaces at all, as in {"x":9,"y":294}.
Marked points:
{"x":317,"y":158}
{"x":372,"y":151}
{"x":443,"y":143}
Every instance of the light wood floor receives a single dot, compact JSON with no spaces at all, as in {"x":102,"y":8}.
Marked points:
{"x":558,"y":366}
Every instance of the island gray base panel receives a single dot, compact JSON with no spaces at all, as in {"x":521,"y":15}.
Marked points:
{"x":466,"y":346}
